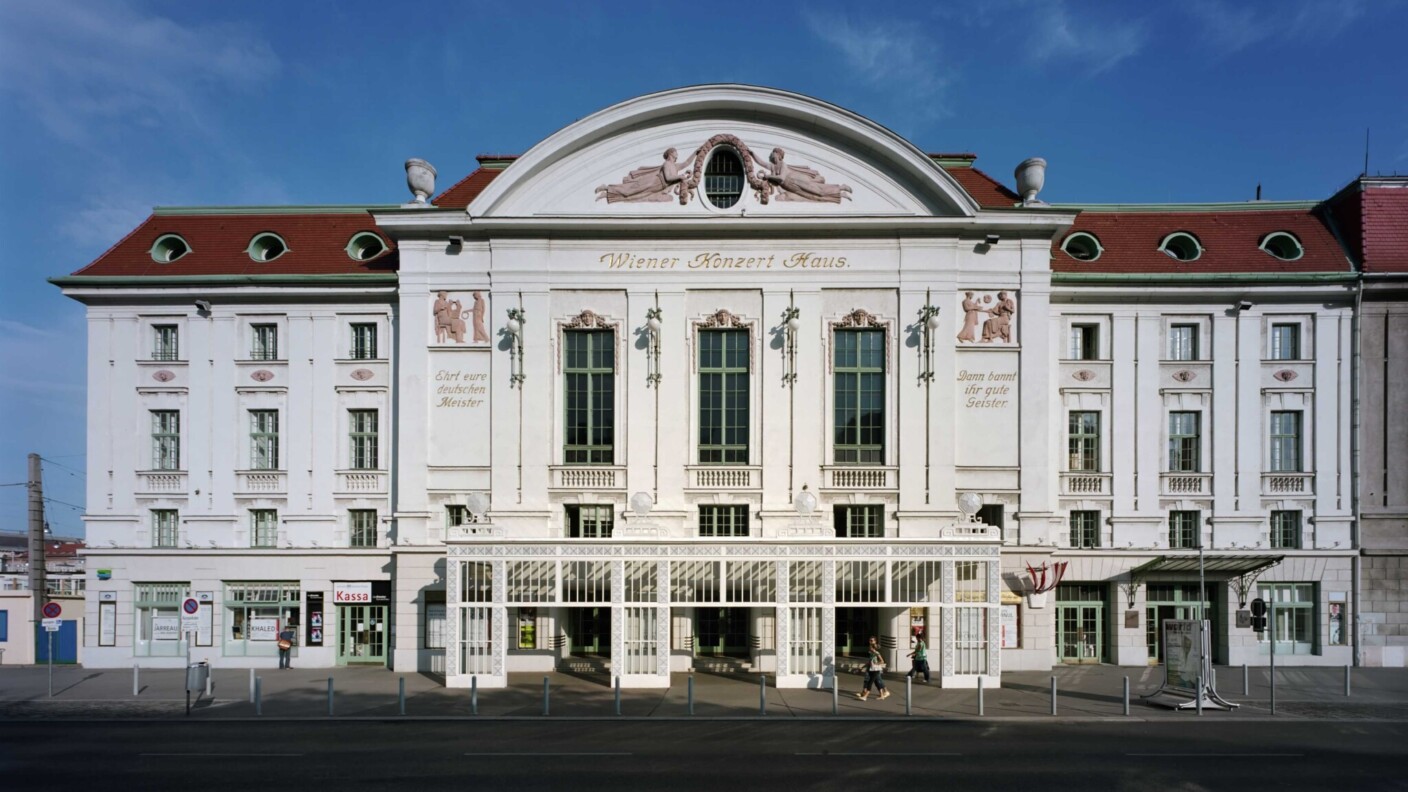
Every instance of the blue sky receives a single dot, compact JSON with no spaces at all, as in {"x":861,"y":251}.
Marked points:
{"x":110,"y":108}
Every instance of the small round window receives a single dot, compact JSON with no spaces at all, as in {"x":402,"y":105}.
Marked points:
{"x":266,"y":247}
{"x":723,"y":178}
{"x":1283,"y":246}
{"x":169,"y":247}
{"x":1182,"y":246}
{"x":364,"y":246}
{"x":1082,"y":246}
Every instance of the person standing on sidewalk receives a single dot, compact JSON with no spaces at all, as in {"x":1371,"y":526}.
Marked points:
{"x":921,"y":658}
{"x":874,"y":672}
{"x":287,"y":636}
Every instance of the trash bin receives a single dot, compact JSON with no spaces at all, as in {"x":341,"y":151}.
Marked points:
{"x":196,"y":676}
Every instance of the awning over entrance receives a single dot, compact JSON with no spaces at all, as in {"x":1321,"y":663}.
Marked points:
{"x":1229,"y":565}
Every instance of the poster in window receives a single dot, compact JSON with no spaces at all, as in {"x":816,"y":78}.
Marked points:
{"x":315,"y":619}
{"x":1337,"y":636}
{"x":1008,"y":627}
{"x":107,"y":624}
{"x":205,"y":624}
{"x":166,"y":628}
{"x":263,"y":629}
{"x":527,"y":628}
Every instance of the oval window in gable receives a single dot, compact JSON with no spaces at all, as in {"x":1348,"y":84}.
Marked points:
{"x":723,"y":178}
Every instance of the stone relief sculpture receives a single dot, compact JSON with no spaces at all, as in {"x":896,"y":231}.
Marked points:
{"x":800,"y":183}
{"x":653,"y":183}
{"x":449,"y":316}
{"x":996,"y":327}
{"x":481,"y":333}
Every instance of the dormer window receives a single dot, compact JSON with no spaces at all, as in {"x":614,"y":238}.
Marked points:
{"x":723,"y":178}
{"x":266,"y":247}
{"x":169,"y":247}
{"x":364,"y":246}
{"x":1182,"y":246}
{"x":1282,"y":245}
{"x":1082,"y":246}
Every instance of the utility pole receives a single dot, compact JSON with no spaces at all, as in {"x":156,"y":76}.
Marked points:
{"x":36,"y":536}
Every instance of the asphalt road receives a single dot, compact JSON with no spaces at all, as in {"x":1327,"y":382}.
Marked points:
{"x":719,"y":756}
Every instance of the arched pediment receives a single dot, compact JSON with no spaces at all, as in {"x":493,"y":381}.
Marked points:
{"x":791,"y":156}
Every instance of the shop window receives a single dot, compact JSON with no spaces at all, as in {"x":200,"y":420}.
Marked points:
{"x":255,"y":613}
{"x":157,"y":608}
{"x":1294,"y":617}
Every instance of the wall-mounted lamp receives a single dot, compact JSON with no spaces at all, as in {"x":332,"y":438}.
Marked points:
{"x":514,"y":328}
{"x":652,"y":347}
{"x":456,"y":243}
{"x":203,"y":307}
{"x":992,"y":239}
{"x":1244,"y":305}
{"x":928,"y":323}
{"x":791,"y":323}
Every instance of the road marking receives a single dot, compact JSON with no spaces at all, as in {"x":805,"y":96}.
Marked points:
{"x":1277,"y":755}
{"x":870,"y":753}
{"x":550,"y":753}
{"x":220,"y":754}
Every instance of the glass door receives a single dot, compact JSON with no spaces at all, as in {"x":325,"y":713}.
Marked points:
{"x":1080,"y":623}
{"x":590,"y":631}
{"x":361,"y":634}
{"x":721,"y":631}
{"x":854,"y":626}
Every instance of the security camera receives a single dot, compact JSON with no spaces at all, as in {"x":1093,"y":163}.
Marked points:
{"x":203,"y":306}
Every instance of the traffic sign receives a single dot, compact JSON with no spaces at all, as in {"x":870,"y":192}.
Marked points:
{"x":190,"y":606}
{"x":52,"y":625}
{"x":190,"y":618}
{"x":52,"y":610}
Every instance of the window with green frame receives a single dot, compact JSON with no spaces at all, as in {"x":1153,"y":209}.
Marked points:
{"x":264,"y":439}
{"x":166,"y":342}
{"x":362,"y":428}
{"x":1183,"y":531}
{"x":1083,"y":440}
{"x":858,"y":366}
{"x":254,"y":614}
{"x":361,"y":527}
{"x":723,"y":521}
{"x":589,"y":521}
{"x":364,"y":341}
{"x":157,"y":611}
{"x":1285,"y":530}
{"x":860,"y":522}
{"x":589,"y":379}
{"x":1184,"y":442}
{"x":163,"y":527}
{"x":1294,"y":617}
{"x":166,"y":440}
{"x":263,"y":528}
{"x":723,"y":397}
{"x":1285,"y":441}
{"x":1085,"y":529}
{"x":265,"y":342}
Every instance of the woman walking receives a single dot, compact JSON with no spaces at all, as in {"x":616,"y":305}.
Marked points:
{"x":874,"y":672}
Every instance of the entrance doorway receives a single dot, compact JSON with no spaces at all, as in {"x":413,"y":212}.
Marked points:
{"x":589,"y":630}
{"x":854,"y":626}
{"x":1080,"y":623}
{"x":1177,"y":601}
{"x":721,"y":632}
{"x":361,"y":634}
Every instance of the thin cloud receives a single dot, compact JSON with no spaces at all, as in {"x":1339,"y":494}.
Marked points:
{"x":1230,"y":28}
{"x":1057,"y":35}
{"x":886,"y":53}
{"x":10,"y":327}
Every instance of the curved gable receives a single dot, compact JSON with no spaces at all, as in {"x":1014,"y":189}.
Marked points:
{"x":613,"y":163}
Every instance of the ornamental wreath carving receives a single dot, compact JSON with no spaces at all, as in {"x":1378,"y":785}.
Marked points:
{"x":774,"y":176}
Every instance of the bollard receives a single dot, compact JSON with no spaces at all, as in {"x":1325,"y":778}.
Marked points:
{"x":545,"y":697}
{"x":691,"y":694}
{"x":1126,"y":695}
{"x":1053,"y":695}
{"x":402,"y":695}
{"x":1246,"y":681}
{"x":258,"y":695}
{"x":134,"y":680}
{"x":980,"y":696}
{"x":762,"y":695}
{"x":474,"y":695}
{"x":210,"y":683}
{"x":909,"y":695}
{"x":251,"y":685}
{"x":618,"y":695}
{"x":1346,"y":680}
{"x":835,"y":694}
{"x":1200,"y":695}
{"x":329,"y":697}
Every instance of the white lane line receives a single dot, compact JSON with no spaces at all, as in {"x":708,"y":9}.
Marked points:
{"x":870,"y":753}
{"x":1278,"y":755}
{"x":209,"y":754}
{"x":549,"y":753}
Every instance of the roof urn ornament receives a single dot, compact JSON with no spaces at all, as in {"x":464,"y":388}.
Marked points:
{"x":1031,"y":177}
{"x":420,"y":177}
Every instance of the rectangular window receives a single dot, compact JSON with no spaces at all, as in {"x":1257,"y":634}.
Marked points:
{"x":1083,"y":439}
{"x":361,"y":527}
{"x":435,"y":632}
{"x":1285,"y":342}
{"x":4,"y":626}
{"x":363,"y":434}
{"x":1183,"y":530}
{"x":256,"y":612}
{"x":165,"y":343}
{"x":1085,"y":342}
{"x":723,"y":397}
{"x":163,"y":527}
{"x":859,"y":370}
{"x":266,"y":342}
{"x":456,"y":515}
{"x":364,"y":341}
{"x":1285,"y":530}
{"x":157,"y":610}
{"x":860,"y":522}
{"x":589,"y":522}
{"x":166,"y":440}
{"x":264,"y":439}
{"x":992,"y":514}
{"x":1085,"y":529}
{"x":1285,"y":441}
{"x":723,"y":521}
{"x":1295,"y":616}
{"x":1183,"y":342}
{"x":1185,"y":442}
{"x":263,"y":528}
{"x":589,"y":378}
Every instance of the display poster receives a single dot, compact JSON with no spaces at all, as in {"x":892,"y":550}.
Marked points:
{"x":205,"y":625}
{"x":1007,"y":627}
{"x":263,"y":629}
{"x":166,"y":628}
{"x":1183,"y":654}
{"x":107,"y":624}
{"x":381,"y":592}
{"x":314,"y":636}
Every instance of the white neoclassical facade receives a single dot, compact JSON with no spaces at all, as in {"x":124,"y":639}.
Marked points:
{"x":719,"y":377}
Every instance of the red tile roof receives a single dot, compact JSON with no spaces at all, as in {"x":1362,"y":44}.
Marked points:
{"x":1385,"y":229}
{"x":316,"y":246}
{"x":987,"y":191}
{"x":1229,"y":238}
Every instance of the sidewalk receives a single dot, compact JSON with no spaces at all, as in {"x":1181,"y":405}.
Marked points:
{"x":1084,"y":693}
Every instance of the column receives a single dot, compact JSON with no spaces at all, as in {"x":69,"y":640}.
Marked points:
{"x":783,"y":634}
{"x":828,"y":624}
